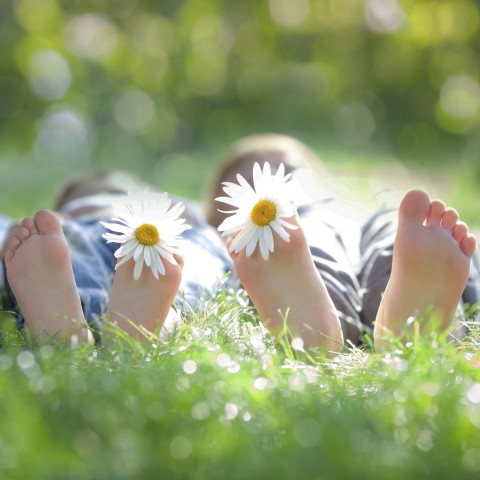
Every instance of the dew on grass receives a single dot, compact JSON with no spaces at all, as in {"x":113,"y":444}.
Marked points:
{"x":297,"y":344}
{"x":396,"y":363}
{"x":25,"y":360}
{"x":201,"y":411}
{"x":212,"y":347}
{"x":234,"y":367}
{"x":224,"y":360}
{"x":242,"y":298}
{"x":410,"y":320}
{"x":257,"y":343}
{"x":189,"y":367}
{"x":474,"y":416}
{"x":260,"y":383}
{"x":473,"y":394}
{"x":425,"y":440}
{"x":6,"y":362}
{"x":182,"y":384}
{"x":231,"y":411}
{"x":46,"y":351}
{"x":311,"y":374}
{"x":297,"y":382}
{"x":307,"y":433}
{"x":400,"y":395}
{"x":431,"y":389}
{"x":180,"y":448}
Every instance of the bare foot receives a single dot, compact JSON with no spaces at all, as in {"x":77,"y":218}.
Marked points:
{"x":430,"y":268}
{"x":143,"y":304}
{"x":40,"y":274}
{"x":289,"y":280}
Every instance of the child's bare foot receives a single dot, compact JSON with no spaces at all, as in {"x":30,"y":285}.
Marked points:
{"x":289,"y":280}
{"x":431,"y":264}
{"x":143,"y":304}
{"x":40,"y":275}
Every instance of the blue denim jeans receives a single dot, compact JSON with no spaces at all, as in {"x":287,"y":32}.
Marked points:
{"x":207,"y":264}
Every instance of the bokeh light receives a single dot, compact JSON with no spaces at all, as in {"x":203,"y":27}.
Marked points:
{"x":50,"y":76}
{"x":154,"y":82}
{"x":91,"y":36}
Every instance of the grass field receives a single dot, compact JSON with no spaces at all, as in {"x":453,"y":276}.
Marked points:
{"x":220,"y":400}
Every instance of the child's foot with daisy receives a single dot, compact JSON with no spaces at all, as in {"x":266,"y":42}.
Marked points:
{"x":141,"y":306}
{"x":40,"y":275}
{"x":147,"y":229}
{"x":275,"y":266}
{"x":431,"y":264}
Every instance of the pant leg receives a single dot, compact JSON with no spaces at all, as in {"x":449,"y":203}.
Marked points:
{"x":334,"y":247}
{"x":376,"y":252}
{"x":7,"y":301}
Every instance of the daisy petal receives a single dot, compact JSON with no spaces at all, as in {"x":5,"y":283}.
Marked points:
{"x":282,"y":233}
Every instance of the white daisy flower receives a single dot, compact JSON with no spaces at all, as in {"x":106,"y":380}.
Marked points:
{"x":260,"y":211}
{"x":147,"y":229}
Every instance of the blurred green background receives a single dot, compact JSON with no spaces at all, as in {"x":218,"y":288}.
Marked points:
{"x":162,"y":87}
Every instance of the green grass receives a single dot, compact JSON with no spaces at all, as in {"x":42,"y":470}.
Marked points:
{"x":220,"y":400}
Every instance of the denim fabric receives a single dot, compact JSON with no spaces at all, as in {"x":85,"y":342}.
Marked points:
{"x":207,"y":264}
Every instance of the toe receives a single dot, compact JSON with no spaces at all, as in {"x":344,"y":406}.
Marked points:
{"x":459,"y":231}
{"x":13,"y":245}
{"x":449,"y":218}
{"x":435,"y":213}
{"x":414,"y":206}
{"x":8,"y":256}
{"x":22,"y":233}
{"x":468,"y":245}
{"x":47,"y":222}
{"x":180,"y":260}
{"x":29,"y":223}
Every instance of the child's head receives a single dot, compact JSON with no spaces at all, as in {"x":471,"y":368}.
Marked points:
{"x":272,"y":148}
{"x":98,"y":181}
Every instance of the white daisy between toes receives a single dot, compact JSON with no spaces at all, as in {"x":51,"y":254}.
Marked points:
{"x":148,"y":230}
{"x":259,"y":211}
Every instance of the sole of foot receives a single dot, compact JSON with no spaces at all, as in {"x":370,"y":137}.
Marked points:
{"x":288,"y":284}
{"x":141,"y":306}
{"x":431,"y":263}
{"x":40,"y":275}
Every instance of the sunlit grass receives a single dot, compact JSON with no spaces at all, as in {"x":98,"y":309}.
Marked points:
{"x":220,"y":399}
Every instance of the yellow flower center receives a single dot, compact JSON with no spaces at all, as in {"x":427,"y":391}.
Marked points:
{"x":263,"y":213}
{"x":147,"y":234}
